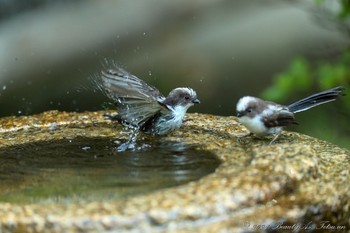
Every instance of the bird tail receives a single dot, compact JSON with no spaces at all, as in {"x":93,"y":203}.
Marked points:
{"x":317,"y":99}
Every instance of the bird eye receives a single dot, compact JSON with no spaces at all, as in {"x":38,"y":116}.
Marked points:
{"x":187,"y":97}
{"x":249,"y":110}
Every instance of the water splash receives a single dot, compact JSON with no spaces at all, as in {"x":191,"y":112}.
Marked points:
{"x":130,"y":144}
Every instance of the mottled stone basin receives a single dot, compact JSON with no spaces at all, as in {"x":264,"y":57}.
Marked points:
{"x":298,"y":180}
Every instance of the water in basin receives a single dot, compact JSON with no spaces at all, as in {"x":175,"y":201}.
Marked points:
{"x":91,"y":169}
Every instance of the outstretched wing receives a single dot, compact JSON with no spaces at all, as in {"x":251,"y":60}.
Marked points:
{"x":136,"y":101}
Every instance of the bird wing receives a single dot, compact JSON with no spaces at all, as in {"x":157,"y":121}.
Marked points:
{"x":283,"y":117}
{"x":136,"y":101}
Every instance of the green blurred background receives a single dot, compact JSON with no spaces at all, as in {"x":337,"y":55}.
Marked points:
{"x":278,"y":50}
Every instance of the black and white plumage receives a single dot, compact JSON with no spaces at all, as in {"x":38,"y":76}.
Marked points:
{"x":262,"y":117}
{"x":143,"y":106}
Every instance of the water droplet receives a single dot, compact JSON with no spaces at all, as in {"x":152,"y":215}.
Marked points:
{"x":123,"y":147}
{"x":143,"y":146}
{"x":86,"y":148}
{"x":150,"y":73}
{"x":4,"y":87}
{"x":53,"y":126}
{"x":131,"y":146}
{"x":144,"y":33}
{"x":19,"y":112}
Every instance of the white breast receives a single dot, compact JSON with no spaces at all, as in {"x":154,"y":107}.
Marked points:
{"x":171,"y":121}
{"x":254,"y":125}
{"x":178,"y":113}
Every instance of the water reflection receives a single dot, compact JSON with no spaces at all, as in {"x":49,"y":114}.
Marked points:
{"x":85,"y":169}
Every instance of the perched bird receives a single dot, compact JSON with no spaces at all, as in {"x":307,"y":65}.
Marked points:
{"x":262,"y":117}
{"x":143,"y":106}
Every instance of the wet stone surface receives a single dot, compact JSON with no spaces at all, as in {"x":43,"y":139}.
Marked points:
{"x":298,"y":180}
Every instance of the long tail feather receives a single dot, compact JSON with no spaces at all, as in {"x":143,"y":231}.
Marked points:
{"x":317,"y":99}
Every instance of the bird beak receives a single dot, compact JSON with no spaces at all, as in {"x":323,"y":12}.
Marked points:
{"x":240,"y":114}
{"x":196,"y":101}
